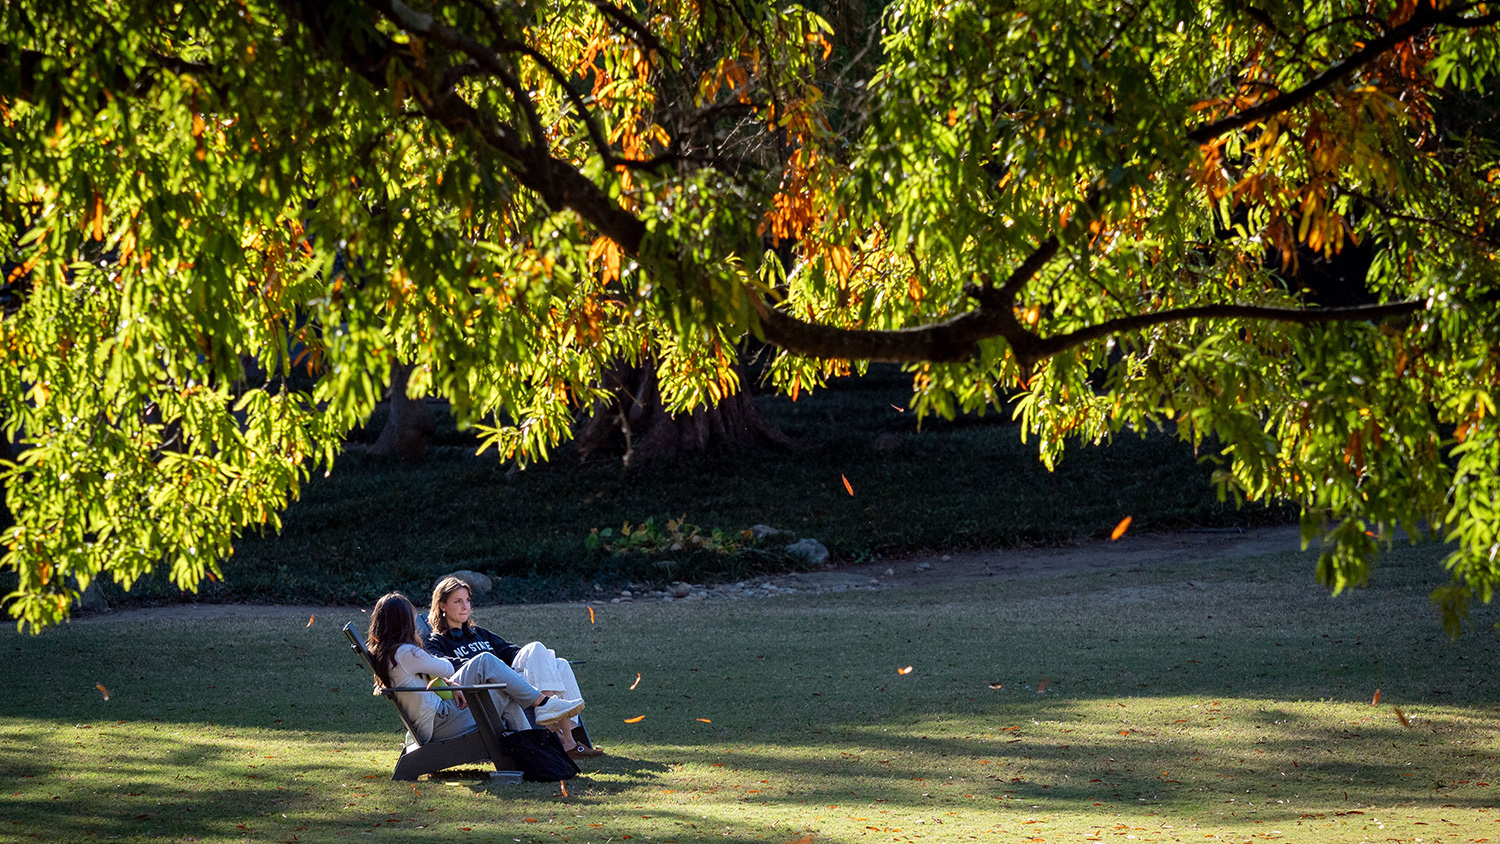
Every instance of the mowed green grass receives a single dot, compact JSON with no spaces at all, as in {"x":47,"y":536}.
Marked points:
{"x":1216,"y":702}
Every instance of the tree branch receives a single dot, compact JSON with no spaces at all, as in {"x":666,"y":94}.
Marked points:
{"x":1424,"y":17}
{"x":623,"y":20}
{"x":954,"y":339}
{"x":1052,"y":345}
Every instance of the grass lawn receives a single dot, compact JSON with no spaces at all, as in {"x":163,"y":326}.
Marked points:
{"x":1132,"y":705}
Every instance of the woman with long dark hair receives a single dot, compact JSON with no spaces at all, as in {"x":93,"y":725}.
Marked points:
{"x":400,"y":660}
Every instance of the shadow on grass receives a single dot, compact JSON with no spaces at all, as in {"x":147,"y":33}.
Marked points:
{"x":1248,"y":701}
{"x":1309,"y":763}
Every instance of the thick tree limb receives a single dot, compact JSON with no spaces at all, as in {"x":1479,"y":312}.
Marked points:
{"x":954,"y":340}
{"x":562,"y":186}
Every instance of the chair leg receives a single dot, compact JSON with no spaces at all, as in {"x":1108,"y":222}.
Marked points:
{"x":581,"y":733}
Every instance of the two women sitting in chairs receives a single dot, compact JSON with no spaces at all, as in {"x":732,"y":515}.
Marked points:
{"x":462,"y":654}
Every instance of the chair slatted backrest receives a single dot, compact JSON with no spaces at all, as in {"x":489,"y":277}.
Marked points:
{"x":368,"y":660}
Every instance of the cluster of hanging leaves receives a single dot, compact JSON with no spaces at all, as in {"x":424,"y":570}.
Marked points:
{"x":1184,"y":157}
{"x":224,"y":221}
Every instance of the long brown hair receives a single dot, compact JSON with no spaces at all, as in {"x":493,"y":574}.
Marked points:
{"x":393,"y":623}
{"x":445,"y":587}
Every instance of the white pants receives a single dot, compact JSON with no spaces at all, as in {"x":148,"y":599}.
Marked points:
{"x":541,"y":668}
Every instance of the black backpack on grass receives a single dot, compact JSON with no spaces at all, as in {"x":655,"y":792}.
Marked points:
{"x":540,"y":756}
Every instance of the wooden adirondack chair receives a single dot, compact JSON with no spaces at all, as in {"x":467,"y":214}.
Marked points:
{"x":479,"y":745}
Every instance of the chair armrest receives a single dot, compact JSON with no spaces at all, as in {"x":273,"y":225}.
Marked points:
{"x":480,"y":688}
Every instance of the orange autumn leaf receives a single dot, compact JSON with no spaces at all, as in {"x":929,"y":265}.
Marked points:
{"x":591,"y":615}
{"x":564,"y":786}
{"x":846,"y":485}
{"x":310,"y":619}
{"x":1120,"y":529}
{"x":906,"y":670}
{"x":997,"y":685}
{"x":636,"y":720}
{"x":899,"y":409}
{"x":806,"y":839}
{"x":1376,"y":701}
{"x":636,"y":683}
{"x":102,"y":690}
{"x":705,"y":720}
{"x":1045,"y":682}
{"x":1401,"y":716}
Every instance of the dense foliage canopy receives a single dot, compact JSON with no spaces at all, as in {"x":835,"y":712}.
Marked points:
{"x":225,"y":220}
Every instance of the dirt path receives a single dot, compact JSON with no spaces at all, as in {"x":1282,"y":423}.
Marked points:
{"x":917,"y":570}
{"x":1128,"y":551}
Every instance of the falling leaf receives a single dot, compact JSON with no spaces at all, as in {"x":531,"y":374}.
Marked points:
{"x":636,"y":720}
{"x":906,"y":670}
{"x":997,"y":685}
{"x":705,"y":720}
{"x":414,"y":791}
{"x":806,"y":839}
{"x":102,"y":690}
{"x":1045,"y":682}
{"x":847,"y":486}
{"x":636,"y":683}
{"x":1376,"y":701}
{"x":1401,"y":716}
{"x":1120,"y":529}
{"x":564,"y":786}
{"x":899,"y":409}
{"x":591,"y":615}
{"x":310,"y":619}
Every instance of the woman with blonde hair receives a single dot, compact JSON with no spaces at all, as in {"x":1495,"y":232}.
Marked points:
{"x":400,"y":661}
{"x":455,"y":636}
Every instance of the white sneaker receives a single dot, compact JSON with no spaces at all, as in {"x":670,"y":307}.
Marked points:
{"x":556,"y":709}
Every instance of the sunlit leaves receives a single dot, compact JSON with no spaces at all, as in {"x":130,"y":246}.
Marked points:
{"x":225,"y":225}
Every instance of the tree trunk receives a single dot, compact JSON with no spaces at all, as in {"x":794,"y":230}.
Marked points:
{"x":409,"y":424}
{"x":636,"y":424}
